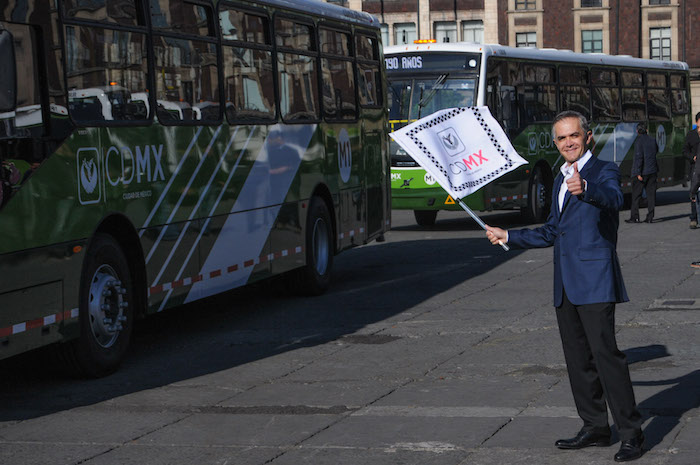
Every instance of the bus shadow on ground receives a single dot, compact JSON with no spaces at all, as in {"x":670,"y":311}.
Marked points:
{"x":662,"y":411}
{"x":371,"y":284}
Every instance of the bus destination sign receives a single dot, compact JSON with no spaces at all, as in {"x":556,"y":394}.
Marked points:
{"x":441,"y":62}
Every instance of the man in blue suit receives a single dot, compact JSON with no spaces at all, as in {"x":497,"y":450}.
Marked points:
{"x":582,"y":227}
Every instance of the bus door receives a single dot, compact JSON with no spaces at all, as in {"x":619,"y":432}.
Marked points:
{"x":30,"y":295}
{"x":373,"y":141}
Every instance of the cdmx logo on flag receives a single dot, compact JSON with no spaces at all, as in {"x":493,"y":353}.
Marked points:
{"x":451,"y":141}
{"x":89,"y":186}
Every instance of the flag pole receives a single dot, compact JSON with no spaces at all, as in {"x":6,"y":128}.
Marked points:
{"x":478,"y":221}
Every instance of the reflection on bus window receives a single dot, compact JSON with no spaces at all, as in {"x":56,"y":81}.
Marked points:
{"x":104,"y":67}
{"x":249,"y":84}
{"x":298,"y":87}
{"x":186,"y":73}
{"x":338,"y":89}
{"x":399,"y":101}
{"x":108,"y":103}
{"x":434,"y":95}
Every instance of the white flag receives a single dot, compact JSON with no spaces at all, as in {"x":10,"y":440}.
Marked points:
{"x":462,"y":148}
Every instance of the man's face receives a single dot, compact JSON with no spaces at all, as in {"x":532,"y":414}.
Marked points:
{"x":570,"y":139}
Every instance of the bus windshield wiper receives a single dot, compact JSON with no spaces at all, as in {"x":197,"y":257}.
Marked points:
{"x":425,"y":99}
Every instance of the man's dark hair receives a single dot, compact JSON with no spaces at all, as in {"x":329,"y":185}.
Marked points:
{"x":641,"y":128}
{"x":571,"y":114}
{"x":697,"y":116}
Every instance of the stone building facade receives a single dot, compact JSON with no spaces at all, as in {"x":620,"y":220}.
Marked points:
{"x":657,"y":29}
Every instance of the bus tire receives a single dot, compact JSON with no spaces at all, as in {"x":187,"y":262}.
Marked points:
{"x":315,"y":277}
{"x":539,"y":197}
{"x":425,"y":217}
{"x":106,"y":309}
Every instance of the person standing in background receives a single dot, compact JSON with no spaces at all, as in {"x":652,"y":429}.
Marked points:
{"x":644,"y":172}
{"x":690,"y":149}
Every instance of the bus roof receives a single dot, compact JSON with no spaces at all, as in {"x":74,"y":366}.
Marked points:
{"x":547,"y":54}
{"x":327,"y":10}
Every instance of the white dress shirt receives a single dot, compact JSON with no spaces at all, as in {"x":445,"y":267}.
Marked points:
{"x":567,"y":169}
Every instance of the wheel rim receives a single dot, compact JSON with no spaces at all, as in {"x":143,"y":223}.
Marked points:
{"x":106,"y":306}
{"x":320,"y":246}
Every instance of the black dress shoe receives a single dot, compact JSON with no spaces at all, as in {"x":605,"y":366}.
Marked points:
{"x":584,"y":439}
{"x":650,"y":220}
{"x":630,"y":449}
{"x":633,"y":220}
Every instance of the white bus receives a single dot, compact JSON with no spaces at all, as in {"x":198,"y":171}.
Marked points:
{"x":525,"y":88}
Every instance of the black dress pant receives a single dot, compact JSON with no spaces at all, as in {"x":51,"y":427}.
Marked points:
{"x":597,"y":370}
{"x":648,"y":182}
{"x":694,"y":186}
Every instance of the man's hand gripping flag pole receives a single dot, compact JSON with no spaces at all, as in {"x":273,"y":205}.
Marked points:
{"x":463,"y":149}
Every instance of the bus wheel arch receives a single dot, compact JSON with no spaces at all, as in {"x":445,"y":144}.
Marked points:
{"x":539,"y":193}
{"x":123,"y":231}
{"x":111,"y":296}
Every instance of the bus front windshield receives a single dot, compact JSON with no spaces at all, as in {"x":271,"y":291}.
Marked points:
{"x":412,"y":99}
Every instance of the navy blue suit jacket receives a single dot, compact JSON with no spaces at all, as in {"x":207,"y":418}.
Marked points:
{"x":645,"y":149}
{"x":584,"y":236}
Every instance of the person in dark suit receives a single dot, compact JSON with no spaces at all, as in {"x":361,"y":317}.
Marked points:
{"x":644,"y":169}
{"x":582,"y":227}
{"x":690,"y":152}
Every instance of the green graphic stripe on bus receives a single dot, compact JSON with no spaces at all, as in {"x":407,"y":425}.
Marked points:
{"x":202,"y":196}
{"x":185,"y":192}
{"x":170,"y":181}
{"x":213,"y":209}
{"x":39,"y":322}
{"x":249,"y":230}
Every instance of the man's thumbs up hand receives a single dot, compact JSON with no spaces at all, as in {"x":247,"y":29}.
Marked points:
{"x":575,"y":183}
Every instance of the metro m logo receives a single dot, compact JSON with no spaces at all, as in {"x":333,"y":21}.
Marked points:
{"x":344,"y":155}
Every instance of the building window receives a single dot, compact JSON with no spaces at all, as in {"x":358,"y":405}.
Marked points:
{"x":473,"y":31}
{"x":591,"y":3}
{"x":385,"y":34}
{"x":659,"y":2}
{"x":526,"y":39}
{"x":445,"y":31}
{"x":592,"y":41}
{"x":525,"y":4}
{"x":660,"y":43}
{"x":404,"y":33}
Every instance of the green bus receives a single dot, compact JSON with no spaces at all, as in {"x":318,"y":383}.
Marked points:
{"x":524,"y":89}
{"x":156,"y":152}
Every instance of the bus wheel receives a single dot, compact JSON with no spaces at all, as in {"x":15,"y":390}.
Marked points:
{"x":315,"y":277}
{"x":106,"y":309}
{"x":539,"y":197}
{"x":425,"y":217}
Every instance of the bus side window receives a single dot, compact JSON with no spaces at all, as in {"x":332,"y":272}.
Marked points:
{"x":502,"y":98}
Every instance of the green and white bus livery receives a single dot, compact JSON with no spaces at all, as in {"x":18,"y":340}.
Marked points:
{"x":178,"y":150}
{"x":524,"y":89}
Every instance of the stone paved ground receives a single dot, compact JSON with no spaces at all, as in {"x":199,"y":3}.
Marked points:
{"x":432,"y":348}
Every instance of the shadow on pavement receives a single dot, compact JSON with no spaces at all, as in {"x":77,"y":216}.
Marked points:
{"x":370,"y":284}
{"x":665,"y":408}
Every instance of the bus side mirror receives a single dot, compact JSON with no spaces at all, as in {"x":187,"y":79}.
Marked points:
{"x":8,"y":72}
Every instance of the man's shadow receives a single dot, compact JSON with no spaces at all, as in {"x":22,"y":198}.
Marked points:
{"x":665,"y":408}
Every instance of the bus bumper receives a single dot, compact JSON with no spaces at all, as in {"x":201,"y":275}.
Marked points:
{"x":431,"y":199}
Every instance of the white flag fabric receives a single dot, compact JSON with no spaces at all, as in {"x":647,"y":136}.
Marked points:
{"x":462,"y":148}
